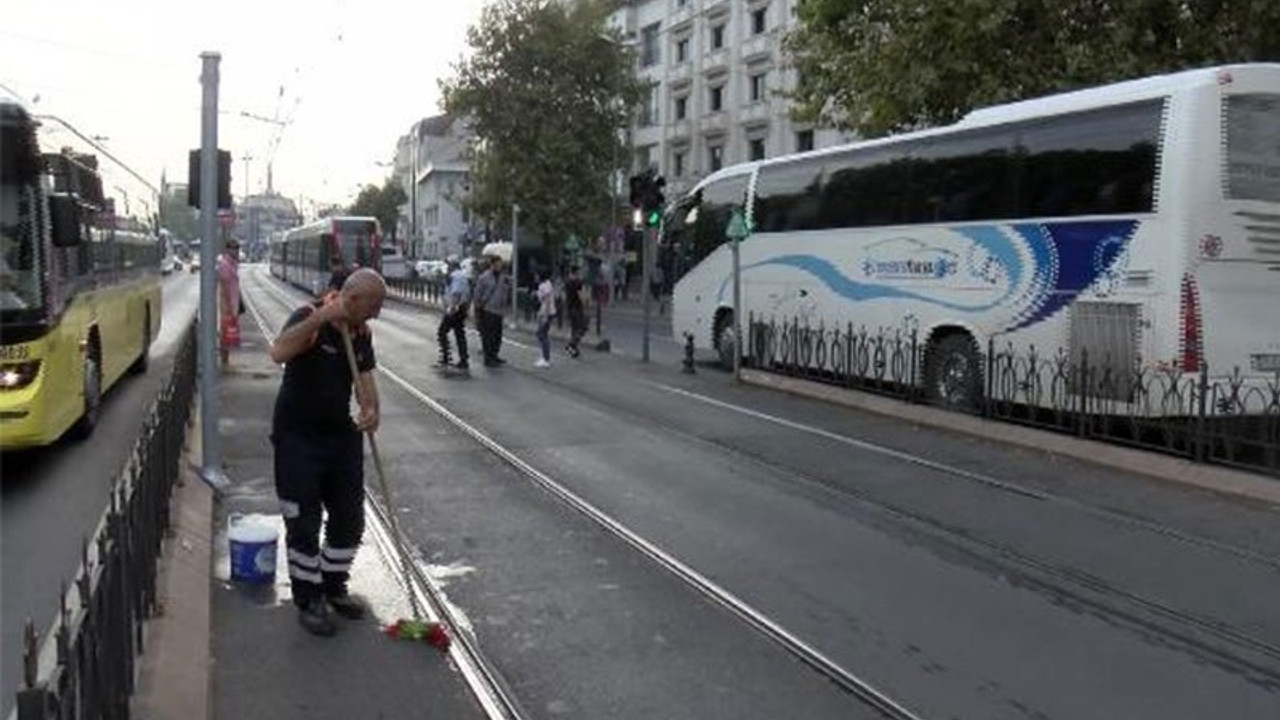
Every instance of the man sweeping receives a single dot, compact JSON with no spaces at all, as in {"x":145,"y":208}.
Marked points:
{"x":319,"y":453}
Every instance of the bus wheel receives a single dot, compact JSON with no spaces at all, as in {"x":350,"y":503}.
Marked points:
{"x":92,"y":397}
{"x":726,"y":338}
{"x":953,"y":371}
{"x":139,"y":366}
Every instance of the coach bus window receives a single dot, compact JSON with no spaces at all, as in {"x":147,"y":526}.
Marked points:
{"x":864,"y":188}
{"x":1087,"y":163}
{"x":1253,"y":147}
{"x":788,"y":196}
{"x":960,"y":178}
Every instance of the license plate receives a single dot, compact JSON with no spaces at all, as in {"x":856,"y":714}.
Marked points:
{"x":1266,"y":363}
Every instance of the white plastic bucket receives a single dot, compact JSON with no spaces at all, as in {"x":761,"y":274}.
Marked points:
{"x":253,"y":548}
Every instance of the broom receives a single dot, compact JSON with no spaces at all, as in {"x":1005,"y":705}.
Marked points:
{"x":419,"y":629}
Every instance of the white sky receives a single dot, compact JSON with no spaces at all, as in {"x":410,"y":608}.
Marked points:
{"x":356,"y":74}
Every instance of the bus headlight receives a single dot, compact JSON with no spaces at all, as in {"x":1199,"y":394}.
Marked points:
{"x":18,"y":375}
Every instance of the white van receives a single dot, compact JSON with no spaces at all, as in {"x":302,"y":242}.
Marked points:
{"x":393,"y":262}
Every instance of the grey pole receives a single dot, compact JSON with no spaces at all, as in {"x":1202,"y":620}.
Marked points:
{"x":646,"y":258}
{"x":737,"y":312}
{"x":211,"y":450}
{"x":515,"y":261}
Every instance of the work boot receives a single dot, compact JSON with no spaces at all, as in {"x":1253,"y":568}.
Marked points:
{"x":314,"y":616}
{"x":348,"y":606}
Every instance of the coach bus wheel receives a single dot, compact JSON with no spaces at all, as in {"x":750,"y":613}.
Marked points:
{"x":953,"y":371}
{"x":92,"y":396}
{"x":726,"y":338}
{"x":139,"y":366}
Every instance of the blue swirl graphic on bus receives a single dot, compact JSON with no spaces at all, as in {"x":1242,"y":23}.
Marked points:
{"x":1062,"y":259}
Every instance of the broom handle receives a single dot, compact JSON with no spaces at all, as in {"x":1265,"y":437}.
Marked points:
{"x":382,"y":480}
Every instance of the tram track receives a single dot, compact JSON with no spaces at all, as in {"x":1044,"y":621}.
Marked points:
{"x":488,"y":682}
{"x":1215,"y":641}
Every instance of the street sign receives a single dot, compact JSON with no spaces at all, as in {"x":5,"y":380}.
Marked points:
{"x":737,"y":228}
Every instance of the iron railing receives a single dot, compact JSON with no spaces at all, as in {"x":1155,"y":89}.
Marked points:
{"x":1231,"y":419}
{"x":85,"y":668}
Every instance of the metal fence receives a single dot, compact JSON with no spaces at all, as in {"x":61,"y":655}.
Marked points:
{"x":1230,"y":419}
{"x":430,"y":290}
{"x":86,"y":668}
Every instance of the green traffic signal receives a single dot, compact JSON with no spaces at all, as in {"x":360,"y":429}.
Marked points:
{"x":652,"y":218}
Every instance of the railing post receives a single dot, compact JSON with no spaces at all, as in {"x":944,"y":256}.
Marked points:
{"x":1201,"y":440}
{"x":1082,"y":390}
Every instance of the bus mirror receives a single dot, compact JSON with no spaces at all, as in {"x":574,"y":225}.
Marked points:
{"x":65,"y":214}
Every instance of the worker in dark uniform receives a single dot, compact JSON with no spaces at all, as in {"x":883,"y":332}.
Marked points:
{"x":319,"y":455}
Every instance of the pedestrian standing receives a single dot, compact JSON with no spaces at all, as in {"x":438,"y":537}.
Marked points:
{"x":655,"y":286}
{"x":457,"y":297}
{"x":575,"y":307}
{"x":492,"y":299}
{"x":319,"y":456}
{"x":229,"y":300}
{"x":546,"y":295}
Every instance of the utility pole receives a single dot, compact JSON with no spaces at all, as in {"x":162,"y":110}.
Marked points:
{"x":211,"y":448}
{"x":515,"y":261}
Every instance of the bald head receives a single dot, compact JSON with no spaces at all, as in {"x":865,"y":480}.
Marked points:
{"x":363,"y":293}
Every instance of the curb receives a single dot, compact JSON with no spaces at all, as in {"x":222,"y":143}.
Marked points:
{"x":175,"y":664}
{"x":1141,"y":462}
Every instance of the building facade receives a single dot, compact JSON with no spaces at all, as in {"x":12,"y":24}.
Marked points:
{"x":431,"y":165}
{"x":715,"y":71}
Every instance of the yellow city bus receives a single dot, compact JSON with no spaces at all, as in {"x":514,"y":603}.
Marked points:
{"x":79,"y":278}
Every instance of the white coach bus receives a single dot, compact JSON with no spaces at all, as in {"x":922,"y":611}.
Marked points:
{"x":1138,"y":221}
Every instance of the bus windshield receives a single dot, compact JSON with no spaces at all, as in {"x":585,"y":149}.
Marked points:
{"x":20,"y":276}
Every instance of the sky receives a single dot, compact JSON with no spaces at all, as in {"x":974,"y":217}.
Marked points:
{"x":349,"y":77}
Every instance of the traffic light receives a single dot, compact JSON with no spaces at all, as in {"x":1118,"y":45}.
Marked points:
{"x":637,"y":190}
{"x":654,"y":200}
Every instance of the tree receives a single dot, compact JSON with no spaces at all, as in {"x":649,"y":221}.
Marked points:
{"x":179,"y":218}
{"x":878,"y":66}
{"x":545,"y":92}
{"x":380,"y":202}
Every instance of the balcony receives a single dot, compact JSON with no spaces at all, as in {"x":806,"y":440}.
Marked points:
{"x":758,"y":47}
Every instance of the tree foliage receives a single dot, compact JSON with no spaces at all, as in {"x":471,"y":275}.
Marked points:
{"x":877,"y":66}
{"x":380,"y":202}
{"x":545,"y":92}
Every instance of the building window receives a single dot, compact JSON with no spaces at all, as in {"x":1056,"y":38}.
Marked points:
{"x":649,"y":107}
{"x":649,"y":54}
{"x":804,"y":140}
{"x":757,"y":20}
{"x":682,"y":107}
{"x":644,"y":157}
{"x":715,"y":157}
{"x":677,"y":163}
{"x":717,"y":37}
{"x":757,"y":87}
{"x":755,"y":148}
{"x":717,"y":98}
{"x":682,"y":50}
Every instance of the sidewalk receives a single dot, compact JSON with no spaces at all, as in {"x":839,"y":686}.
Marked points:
{"x":260,"y":663}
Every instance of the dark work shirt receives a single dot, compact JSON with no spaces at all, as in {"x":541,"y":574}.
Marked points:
{"x":315,"y":394}
{"x":573,"y":294}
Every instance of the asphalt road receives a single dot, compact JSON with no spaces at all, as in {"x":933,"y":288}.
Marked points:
{"x":53,"y":497}
{"x":961,"y":578}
